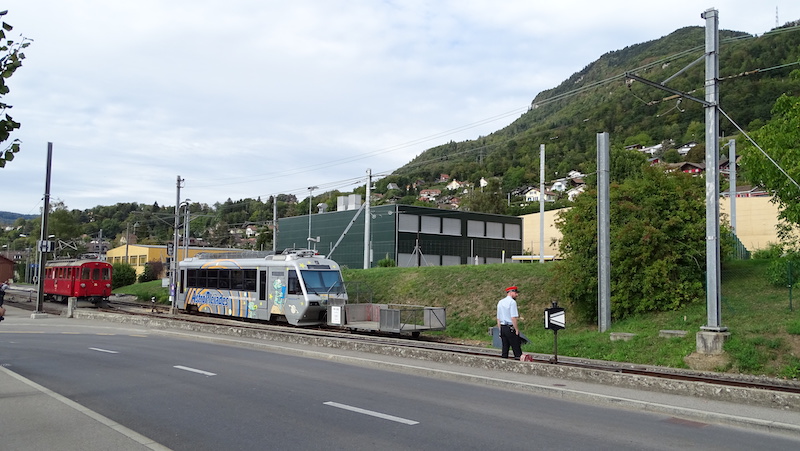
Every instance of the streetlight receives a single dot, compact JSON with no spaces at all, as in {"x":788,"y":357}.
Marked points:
{"x":310,"y":198}
{"x":185,"y":205}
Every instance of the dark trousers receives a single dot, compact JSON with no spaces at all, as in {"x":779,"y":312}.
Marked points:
{"x":511,"y":340}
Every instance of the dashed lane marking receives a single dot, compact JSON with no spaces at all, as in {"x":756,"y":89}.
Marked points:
{"x":194,"y":370}
{"x":371,"y":413}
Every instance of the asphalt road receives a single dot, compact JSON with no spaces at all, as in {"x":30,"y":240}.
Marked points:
{"x":195,"y":395}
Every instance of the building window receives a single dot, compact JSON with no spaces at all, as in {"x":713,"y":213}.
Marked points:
{"x":513,"y":232}
{"x":476,"y":228}
{"x":494,"y":230}
{"x":431,"y":224}
{"x":451,"y":226}
{"x":408,"y":223}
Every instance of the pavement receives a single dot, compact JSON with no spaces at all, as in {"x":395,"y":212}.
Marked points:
{"x":35,"y":418}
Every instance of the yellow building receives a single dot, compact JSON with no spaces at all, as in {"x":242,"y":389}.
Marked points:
{"x":756,"y":218}
{"x":137,"y":255}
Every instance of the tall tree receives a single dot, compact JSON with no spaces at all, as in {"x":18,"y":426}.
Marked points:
{"x":11,"y":57}
{"x":657,"y":245}
{"x":780,"y":139}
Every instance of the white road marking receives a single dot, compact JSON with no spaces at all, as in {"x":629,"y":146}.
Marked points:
{"x":194,"y":370}
{"x":371,"y":413}
{"x":104,"y":350}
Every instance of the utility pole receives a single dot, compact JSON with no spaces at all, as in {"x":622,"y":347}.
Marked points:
{"x":43,"y":245}
{"x":541,"y":203}
{"x":275,"y":223}
{"x":367,"y":220}
{"x":603,"y":232}
{"x":713,"y":269}
{"x":173,"y":276}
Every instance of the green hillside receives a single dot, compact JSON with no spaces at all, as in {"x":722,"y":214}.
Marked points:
{"x":754,"y":72}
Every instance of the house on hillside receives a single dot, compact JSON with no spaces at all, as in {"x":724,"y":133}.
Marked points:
{"x":429,"y":195}
{"x":559,"y":185}
{"x":746,"y":191}
{"x":687,"y":167}
{"x":454,"y":185}
{"x":574,"y":191}
{"x":685,"y":148}
{"x":533,"y":195}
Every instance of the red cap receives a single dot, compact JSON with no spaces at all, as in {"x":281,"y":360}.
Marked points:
{"x":511,"y":289}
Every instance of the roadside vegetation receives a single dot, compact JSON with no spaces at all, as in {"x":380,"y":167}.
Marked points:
{"x":765,"y":333}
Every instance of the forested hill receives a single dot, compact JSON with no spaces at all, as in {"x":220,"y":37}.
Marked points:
{"x":8,"y":218}
{"x":754,"y":72}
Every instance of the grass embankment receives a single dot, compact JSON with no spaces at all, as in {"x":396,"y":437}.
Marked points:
{"x":765,"y":333}
{"x":146,"y":290}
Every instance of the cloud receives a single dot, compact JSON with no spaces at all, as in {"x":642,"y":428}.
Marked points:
{"x":246,"y":98}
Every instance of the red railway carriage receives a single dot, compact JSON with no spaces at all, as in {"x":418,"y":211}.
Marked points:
{"x":86,"y":280}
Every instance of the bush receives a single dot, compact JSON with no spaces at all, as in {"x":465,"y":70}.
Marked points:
{"x":772,"y":251}
{"x":386,"y":262}
{"x":152,"y":271}
{"x":123,"y":275}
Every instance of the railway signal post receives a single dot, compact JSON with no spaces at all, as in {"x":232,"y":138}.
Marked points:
{"x":554,"y":319}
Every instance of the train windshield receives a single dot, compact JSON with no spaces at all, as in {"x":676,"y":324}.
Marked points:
{"x":322,"y":282}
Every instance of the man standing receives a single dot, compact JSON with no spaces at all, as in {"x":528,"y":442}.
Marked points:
{"x":507,"y":316}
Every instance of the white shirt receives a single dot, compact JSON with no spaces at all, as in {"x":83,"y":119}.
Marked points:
{"x":507,"y":309}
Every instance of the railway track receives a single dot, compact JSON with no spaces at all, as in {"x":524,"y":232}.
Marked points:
{"x":436,"y":344}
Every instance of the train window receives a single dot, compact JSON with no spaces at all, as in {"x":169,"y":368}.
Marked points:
{"x":262,"y":285}
{"x":224,"y":279}
{"x":237,"y":279}
{"x":293,"y":284}
{"x":96,"y":274}
{"x":106,"y":273}
{"x":85,"y":274}
{"x":250,"y":279}
{"x":191,"y":278}
{"x":322,"y":281}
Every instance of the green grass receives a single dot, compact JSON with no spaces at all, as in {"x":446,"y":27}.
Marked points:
{"x":765,"y":333}
{"x":146,"y":290}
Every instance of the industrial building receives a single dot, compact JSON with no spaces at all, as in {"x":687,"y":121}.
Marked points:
{"x":407,"y":235}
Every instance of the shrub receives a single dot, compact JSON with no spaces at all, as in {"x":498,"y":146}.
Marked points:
{"x":123,"y":275}
{"x":152,"y":271}
{"x":772,"y":251}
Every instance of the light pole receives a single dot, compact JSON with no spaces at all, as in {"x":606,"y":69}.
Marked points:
{"x":128,"y":238}
{"x":185,"y":205}
{"x":310,"y":199}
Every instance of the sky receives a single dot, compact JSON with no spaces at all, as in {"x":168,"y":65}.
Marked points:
{"x":250,"y":98}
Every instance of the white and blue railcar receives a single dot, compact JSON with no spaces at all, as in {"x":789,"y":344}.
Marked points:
{"x":295,"y":286}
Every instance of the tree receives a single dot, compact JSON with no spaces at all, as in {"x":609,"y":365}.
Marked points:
{"x":780,"y":139}
{"x":490,"y":200}
{"x":11,"y":57}
{"x":657,"y":245}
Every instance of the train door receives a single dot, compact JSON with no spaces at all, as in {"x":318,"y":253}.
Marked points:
{"x":295,"y":304}
{"x":275,"y":290}
{"x":262,"y":295}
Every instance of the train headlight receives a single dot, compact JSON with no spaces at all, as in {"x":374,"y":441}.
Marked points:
{"x":83,"y":285}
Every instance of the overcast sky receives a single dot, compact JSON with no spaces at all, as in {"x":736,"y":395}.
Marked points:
{"x":248,"y":98}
